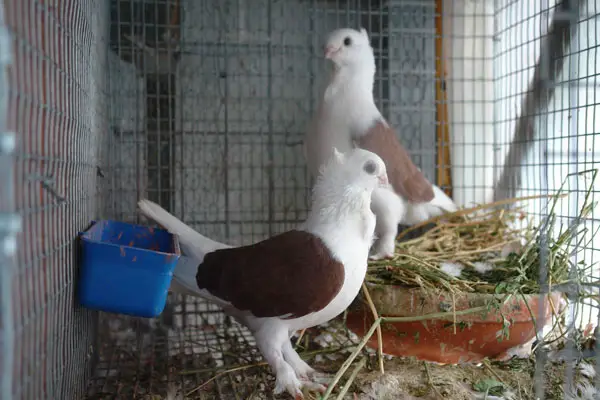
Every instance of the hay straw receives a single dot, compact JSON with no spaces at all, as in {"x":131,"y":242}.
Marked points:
{"x":239,"y":368}
{"x":486,"y":364}
{"x":469,"y":239}
{"x":379,"y":334}
{"x":351,"y":379}
{"x":300,"y":337}
{"x":430,"y":380}
{"x":472,"y":210}
{"x":351,"y":358}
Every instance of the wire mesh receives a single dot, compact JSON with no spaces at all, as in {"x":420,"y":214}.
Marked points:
{"x":9,"y":220}
{"x":547,"y":113}
{"x":201,"y":106}
{"x":57,"y":106}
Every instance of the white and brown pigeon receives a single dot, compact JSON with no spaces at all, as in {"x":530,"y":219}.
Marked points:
{"x":294,"y":280}
{"x":348,"y":117}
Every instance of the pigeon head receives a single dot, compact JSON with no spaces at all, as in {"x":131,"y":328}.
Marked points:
{"x":359,"y":169}
{"x":349,"y":48}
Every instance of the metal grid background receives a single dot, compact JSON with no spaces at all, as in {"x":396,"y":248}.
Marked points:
{"x":9,"y":220}
{"x":201,"y":106}
{"x":57,"y":107}
{"x":228,"y":104}
{"x":546,"y":120}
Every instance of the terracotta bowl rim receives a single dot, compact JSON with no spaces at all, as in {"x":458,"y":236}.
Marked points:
{"x":407,"y":289}
{"x":401,"y":301}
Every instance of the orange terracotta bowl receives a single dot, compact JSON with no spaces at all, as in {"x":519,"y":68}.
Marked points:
{"x":477,"y":336}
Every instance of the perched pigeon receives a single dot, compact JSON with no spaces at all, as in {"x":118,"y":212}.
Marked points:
{"x":294,"y":280}
{"x":348,"y":117}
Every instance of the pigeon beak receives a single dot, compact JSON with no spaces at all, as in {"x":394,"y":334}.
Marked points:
{"x":330,"y":51}
{"x":383,"y":180}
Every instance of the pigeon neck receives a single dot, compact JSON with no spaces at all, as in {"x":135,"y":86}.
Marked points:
{"x":356,"y":79}
{"x":335,"y":201}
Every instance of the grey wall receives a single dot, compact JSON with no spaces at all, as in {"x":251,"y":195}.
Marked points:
{"x":247,"y":84}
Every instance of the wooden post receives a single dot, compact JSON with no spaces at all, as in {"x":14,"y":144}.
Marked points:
{"x":443,"y":171}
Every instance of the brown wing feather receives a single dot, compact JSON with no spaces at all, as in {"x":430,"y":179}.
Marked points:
{"x":291,"y":273}
{"x":404,"y":176}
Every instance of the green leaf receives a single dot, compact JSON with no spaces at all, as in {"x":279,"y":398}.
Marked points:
{"x":501,"y":287}
{"x":490,"y":386}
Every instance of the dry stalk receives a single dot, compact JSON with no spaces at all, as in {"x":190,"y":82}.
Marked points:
{"x":430,"y":380}
{"x":487,"y":366}
{"x":379,"y":334}
{"x":300,"y":337}
{"x":454,"y":312}
{"x":471,"y":210}
{"x":351,"y":379}
{"x":351,"y":358}
{"x":240,"y":368}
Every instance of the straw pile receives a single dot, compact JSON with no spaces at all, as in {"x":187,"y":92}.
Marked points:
{"x":495,"y":250}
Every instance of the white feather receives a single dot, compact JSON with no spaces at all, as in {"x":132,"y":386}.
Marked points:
{"x":588,"y":370}
{"x":482,"y":267}
{"x":439,"y":205}
{"x":521,"y":351}
{"x":192,"y":243}
{"x":452,"y":269}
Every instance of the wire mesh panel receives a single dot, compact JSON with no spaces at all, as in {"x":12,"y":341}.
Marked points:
{"x":210,"y":102}
{"x":411,"y":78}
{"x":547,"y":113}
{"x":227,"y":93}
{"x":57,"y":107}
{"x":9,"y":220}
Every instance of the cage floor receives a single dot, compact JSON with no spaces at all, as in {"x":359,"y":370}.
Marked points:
{"x":195,"y":353}
{"x":151,"y":359}
{"x":199,"y":353}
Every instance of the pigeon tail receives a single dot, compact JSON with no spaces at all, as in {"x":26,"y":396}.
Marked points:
{"x":441,"y":200}
{"x":192,"y":243}
{"x":439,"y":205}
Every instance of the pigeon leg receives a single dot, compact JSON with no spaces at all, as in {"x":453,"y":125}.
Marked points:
{"x":383,"y":248}
{"x":301,"y":368}
{"x":303,"y":371}
{"x":270,"y":339}
{"x":389,"y":209}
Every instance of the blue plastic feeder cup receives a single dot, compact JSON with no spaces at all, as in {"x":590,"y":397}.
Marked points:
{"x":127,"y":268}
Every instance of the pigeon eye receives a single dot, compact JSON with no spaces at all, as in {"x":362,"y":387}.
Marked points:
{"x":370,"y":167}
{"x":347,"y":41}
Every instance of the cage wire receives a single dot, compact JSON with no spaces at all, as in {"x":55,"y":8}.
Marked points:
{"x":201,"y":106}
{"x":56,"y":106}
{"x":9,"y":222}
